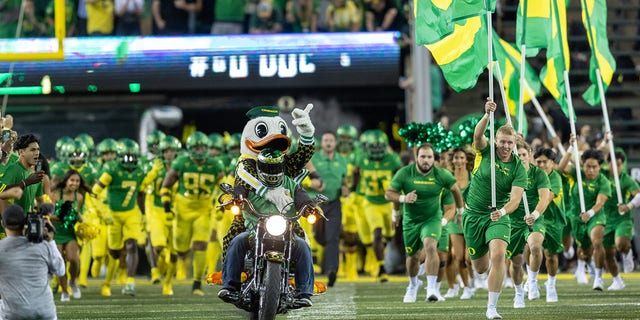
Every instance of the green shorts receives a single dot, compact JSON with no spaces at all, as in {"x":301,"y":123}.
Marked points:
{"x":479,"y":230}
{"x":553,"y":238}
{"x":519,"y":235}
{"x":612,"y":231}
{"x":415,"y":234}
{"x":582,"y":231}
{"x":566,"y":231}
{"x":454,"y":228}
{"x":443,"y":242}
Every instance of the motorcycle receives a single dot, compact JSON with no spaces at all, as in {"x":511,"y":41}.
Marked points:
{"x":267,"y":290}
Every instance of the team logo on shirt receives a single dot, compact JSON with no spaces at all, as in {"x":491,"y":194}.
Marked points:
{"x":471,"y":250}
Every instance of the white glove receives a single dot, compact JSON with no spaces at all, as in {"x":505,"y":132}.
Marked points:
{"x":302,"y":121}
{"x":279,"y":197}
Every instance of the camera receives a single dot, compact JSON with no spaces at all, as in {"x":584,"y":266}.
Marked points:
{"x":36,"y":226}
{"x":6,"y":135}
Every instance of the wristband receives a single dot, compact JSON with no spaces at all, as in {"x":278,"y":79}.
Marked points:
{"x":503,"y":212}
{"x":535,"y":214}
{"x":401,"y":199}
{"x":630,"y":206}
{"x":444,"y":222}
{"x":591,"y":213}
{"x":459,"y":211}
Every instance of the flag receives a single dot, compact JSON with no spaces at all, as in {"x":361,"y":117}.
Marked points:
{"x":552,"y":73}
{"x":594,"y":18}
{"x":463,"y":54}
{"x":533,"y":25}
{"x":509,"y":59}
{"x":433,"y":20}
{"x":463,"y":9}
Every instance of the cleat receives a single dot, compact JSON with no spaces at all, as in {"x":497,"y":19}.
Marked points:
{"x":75,"y":291}
{"x":518,"y":301}
{"x":492,"y":313}
{"x":581,"y":278}
{"x":598,"y":284}
{"x":196,"y":289}
{"x":383,"y":277}
{"x":155,"y":276}
{"x":616,"y":285}
{"x":552,"y":295}
{"x":534,"y":291}
{"x":467,"y":293}
{"x":440,"y":297}
{"x":452,"y":292}
{"x":129,"y":289}
{"x":167,"y":290}
{"x":106,"y":290}
{"x":431,"y":296}
{"x":412,"y":293}
{"x":64,"y":297}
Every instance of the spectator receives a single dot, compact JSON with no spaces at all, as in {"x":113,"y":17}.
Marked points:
{"x":9,"y":14}
{"x":383,"y":15}
{"x":69,"y":18}
{"x":25,"y":269}
{"x":266,"y":19}
{"x":128,"y":13}
{"x":343,"y":16}
{"x":302,"y":15}
{"x":81,"y":19}
{"x":33,"y":25}
{"x":21,"y":173}
{"x":172,"y":16}
{"x":228,"y":17}
{"x":99,"y":17}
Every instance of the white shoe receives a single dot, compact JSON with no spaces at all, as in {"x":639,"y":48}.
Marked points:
{"x":507,"y":283}
{"x":432,"y":295}
{"x":452,"y":292}
{"x":518,"y":301}
{"x":552,"y":295}
{"x":75,"y":292}
{"x":467,"y":293}
{"x":616,"y":285}
{"x":569,"y":253}
{"x":492,"y":313}
{"x":627,"y":262}
{"x":598,"y":284}
{"x":440,"y":297}
{"x":64,"y":297}
{"x":534,"y":291}
{"x":581,"y":277}
{"x":412,"y":293}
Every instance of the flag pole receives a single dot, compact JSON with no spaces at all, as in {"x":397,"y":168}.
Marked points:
{"x":609,"y":136}
{"x":491,"y":114}
{"x":522,"y":85}
{"x":543,"y":116}
{"x":576,"y":158}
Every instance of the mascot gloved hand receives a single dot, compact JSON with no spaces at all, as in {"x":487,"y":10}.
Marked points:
{"x":279,"y":197}
{"x":302,"y":121}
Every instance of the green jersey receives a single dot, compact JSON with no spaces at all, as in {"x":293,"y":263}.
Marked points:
{"x":508,"y":174}
{"x":375,"y":176}
{"x":627,"y":186}
{"x":555,"y":211}
{"x":262,"y":205}
{"x":429,"y":189}
{"x":591,"y":189}
{"x":197,"y":181}
{"x":15,"y":173}
{"x":123,"y":189}
{"x":536,"y":180}
{"x":332,"y":172}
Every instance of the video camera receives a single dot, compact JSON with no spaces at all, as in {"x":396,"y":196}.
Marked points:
{"x":38,"y":225}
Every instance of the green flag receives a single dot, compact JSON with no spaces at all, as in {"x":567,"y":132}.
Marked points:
{"x":433,"y":20}
{"x":533,"y":25}
{"x":509,"y":59}
{"x":552,"y":73}
{"x":594,"y":18}
{"x":463,"y":9}
{"x":463,"y":54}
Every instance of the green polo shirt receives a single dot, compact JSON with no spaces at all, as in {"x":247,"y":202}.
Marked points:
{"x":331,"y":171}
{"x":16,"y":173}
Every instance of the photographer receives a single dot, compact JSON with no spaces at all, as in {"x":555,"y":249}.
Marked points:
{"x":21,"y":173}
{"x":24,"y":270}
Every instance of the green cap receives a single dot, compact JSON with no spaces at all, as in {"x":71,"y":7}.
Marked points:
{"x":263,"y":111}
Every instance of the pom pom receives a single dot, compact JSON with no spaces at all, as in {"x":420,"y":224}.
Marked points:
{"x":85,"y":231}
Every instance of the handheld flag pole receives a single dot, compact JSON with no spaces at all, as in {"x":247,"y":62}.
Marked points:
{"x":607,"y":130}
{"x":576,"y":157}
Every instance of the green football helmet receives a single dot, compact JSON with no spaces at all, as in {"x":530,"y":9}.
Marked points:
{"x":377,"y":143}
{"x":198,"y":145}
{"x":270,"y":167}
{"x":60,"y":143}
{"x":87,"y":140}
{"x":347,"y":136}
{"x":77,"y":154}
{"x":233,"y":145}
{"x":217,"y":141}
{"x":169,"y":143}
{"x":107,"y":145}
{"x":153,"y":139}
{"x":128,"y":153}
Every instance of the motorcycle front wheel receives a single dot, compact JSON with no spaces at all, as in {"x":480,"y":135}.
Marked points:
{"x":270,"y":291}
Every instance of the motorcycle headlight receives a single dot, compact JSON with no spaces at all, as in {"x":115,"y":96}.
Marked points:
{"x":276,"y":225}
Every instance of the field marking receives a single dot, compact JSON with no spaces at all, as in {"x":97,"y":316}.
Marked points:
{"x":338,"y":303}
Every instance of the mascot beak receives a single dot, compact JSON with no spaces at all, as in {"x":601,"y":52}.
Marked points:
{"x":276,"y":141}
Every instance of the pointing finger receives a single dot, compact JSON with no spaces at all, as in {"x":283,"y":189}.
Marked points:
{"x":308,"y":108}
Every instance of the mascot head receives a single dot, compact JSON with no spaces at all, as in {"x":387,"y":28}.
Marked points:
{"x":265,"y":129}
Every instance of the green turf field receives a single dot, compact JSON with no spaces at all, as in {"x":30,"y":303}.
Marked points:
{"x":359,"y":300}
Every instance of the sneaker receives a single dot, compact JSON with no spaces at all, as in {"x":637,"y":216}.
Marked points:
{"x":534,"y":291}
{"x":507,"y":283}
{"x":64,"y":297}
{"x":627,"y":262}
{"x":581,"y":278}
{"x":616,"y":285}
{"x":431,"y":296}
{"x":492,"y":313}
{"x":440,"y":297}
{"x":598,"y":284}
{"x":412,"y":293}
{"x":467,"y":293}
{"x":452,"y":292}
{"x":552,"y":295}
{"x":518,"y":301}
{"x":302,"y":302}
{"x":75,"y":291}
{"x":129,"y":289}
{"x":196,"y":289}
{"x":228,"y":295}
{"x":167,"y":290}
{"x":106,"y":290}
{"x":383,"y":277}
{"x":155,"y":276}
